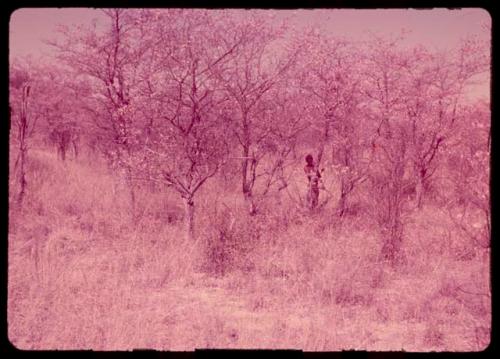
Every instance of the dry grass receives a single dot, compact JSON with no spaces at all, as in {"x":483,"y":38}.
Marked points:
{"x":82,"y":276}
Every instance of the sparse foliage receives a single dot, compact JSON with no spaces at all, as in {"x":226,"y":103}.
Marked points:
{"x":163,"y":149}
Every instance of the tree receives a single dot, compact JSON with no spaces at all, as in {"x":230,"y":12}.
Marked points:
{"x":259,"y":66}
{"x":384,"y":70}
{"x":414,"y":98}
{"x":61,"y":120}
{"x":436,"y":85}
{"x":183,"y":146}
{"x":286,"y":109}
{"x":331,"y":79}
{"x":466,"y":166}
{"x":107,"y":63}
{"x":30,"y":100}
{"x":21,"y":93}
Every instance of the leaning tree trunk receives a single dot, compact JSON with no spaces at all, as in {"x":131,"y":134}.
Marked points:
{"x":22,"y":174}
{"x":23,"y":147}
{"x":342,"y":205}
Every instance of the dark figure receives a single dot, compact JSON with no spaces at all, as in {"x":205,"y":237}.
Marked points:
{"x":313,"y":176}
{"x":65,"y":139}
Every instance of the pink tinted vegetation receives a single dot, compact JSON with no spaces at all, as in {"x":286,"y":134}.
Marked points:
{"x":160,"y":198}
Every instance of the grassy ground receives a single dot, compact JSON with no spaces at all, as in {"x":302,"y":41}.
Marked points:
{"x":81,"y":276}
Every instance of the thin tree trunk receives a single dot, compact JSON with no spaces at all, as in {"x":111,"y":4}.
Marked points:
{"x":246,"y":170}
{"x":345,"y":189}
{"x":247,"y":183}
{"x":22,"y":176}
{"x":252,"y":208}
{"x":419,"y":191}
{"x":129,"y":182}
{"x":23,"y":148}
{"x":189,"y":208}
{"x":62,"y":152}
{"x":391,"y":249}
{"x":130,"y":188}
{"x":133,"y":202}
{"x":341,"y":207}
{"x":75,"y":145}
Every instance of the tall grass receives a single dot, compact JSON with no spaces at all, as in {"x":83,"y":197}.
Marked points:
{"x":82,"y":276}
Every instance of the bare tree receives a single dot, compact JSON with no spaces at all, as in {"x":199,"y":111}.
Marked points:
{"x":436,"y":85}
{"x":413,"y":97}
{"x":383,"y":88}
{"x":466,"y":166}
{"x":24,"y":114}
{"x":331,"y":80}
{"x":108,"y":62}
{"x":248,"y":81}
{"x":184,"y":147}
{"x":23,"y":125}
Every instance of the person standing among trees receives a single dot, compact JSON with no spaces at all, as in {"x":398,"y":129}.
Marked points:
{"x":313,"y":176}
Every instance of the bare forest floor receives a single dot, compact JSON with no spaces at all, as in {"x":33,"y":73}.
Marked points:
{"x":82,"y":275}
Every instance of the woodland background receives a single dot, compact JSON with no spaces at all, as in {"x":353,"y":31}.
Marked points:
{"x":157,"y":191}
